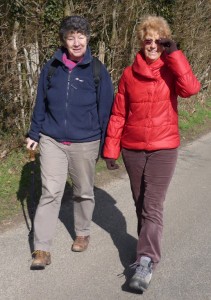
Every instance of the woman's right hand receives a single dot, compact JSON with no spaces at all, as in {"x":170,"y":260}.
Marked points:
{"x":31,"y":144}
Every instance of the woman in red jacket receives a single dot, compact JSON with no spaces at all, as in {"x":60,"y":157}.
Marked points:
{"x":144,"y":127}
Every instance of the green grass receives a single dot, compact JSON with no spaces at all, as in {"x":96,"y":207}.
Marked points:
{"x":10,"y":175}
{"x":198,"y":117}
{"x":15,"y":176}
{"x":16,"y":183}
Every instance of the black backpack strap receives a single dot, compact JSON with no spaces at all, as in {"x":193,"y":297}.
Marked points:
{"x":52,"y":69}
{"x":96,"y":68}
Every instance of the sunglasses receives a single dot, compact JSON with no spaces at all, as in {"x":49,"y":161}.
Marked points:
{"x":149,"y":42}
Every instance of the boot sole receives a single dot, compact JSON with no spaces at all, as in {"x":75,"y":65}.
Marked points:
{"x":39,"y":267}
{"x":137,"y":287}
{"x":78,"y":250}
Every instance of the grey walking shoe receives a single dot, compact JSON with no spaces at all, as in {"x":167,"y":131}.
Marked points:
{"x":143,"y":275}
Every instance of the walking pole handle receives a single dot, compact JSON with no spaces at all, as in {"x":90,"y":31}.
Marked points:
{"x":32,"y":155}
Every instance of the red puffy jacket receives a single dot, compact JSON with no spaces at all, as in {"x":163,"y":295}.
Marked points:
{"x":144,"y":114}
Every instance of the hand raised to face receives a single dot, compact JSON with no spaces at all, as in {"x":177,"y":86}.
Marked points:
{"x":169,"y":45}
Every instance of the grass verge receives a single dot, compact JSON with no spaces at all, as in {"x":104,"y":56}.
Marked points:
{"x":193,"y":124}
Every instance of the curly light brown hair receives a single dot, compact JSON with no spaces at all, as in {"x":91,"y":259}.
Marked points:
{"x":153,"y":24}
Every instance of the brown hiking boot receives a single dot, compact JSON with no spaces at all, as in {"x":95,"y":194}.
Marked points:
{"x":80,"y":244}
{"x":41,"y":259}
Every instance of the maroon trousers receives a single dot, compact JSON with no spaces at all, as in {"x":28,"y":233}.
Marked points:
{"x":150,"y":173}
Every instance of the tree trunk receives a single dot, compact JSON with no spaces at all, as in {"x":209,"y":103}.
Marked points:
{"x":68,"y":8}
{"x":102,"y":51}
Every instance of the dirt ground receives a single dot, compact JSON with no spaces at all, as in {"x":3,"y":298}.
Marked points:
{"x":106,"y":176}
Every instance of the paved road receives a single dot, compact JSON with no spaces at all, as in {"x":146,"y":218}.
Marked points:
{"x":99,"y":273}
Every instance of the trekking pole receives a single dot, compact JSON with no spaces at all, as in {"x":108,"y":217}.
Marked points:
{"x":32,"y":188}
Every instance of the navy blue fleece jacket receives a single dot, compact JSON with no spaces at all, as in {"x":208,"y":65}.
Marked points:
{"x":70,"y":111}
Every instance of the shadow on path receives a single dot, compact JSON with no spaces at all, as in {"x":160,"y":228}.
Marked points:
{"x":28,"y":194}
{"x":109,"y":218}
{"x":106,"y":215}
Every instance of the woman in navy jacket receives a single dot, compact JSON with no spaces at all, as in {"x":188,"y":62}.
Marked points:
{"x":69,"y":123}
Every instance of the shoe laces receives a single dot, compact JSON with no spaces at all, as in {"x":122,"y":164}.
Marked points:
{"x":80,"y":238}
{"x":39,"y":253}
{"x":141,"y":271}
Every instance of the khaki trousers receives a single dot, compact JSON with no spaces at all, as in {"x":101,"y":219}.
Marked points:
{"x":57,"y":160}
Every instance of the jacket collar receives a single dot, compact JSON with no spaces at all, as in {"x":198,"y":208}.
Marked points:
{"x":140,"y":66}
{"x":86,"y":59}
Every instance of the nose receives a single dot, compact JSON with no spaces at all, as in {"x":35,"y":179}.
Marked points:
{"x":76,"y":42}
{"x":153,"y":44}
